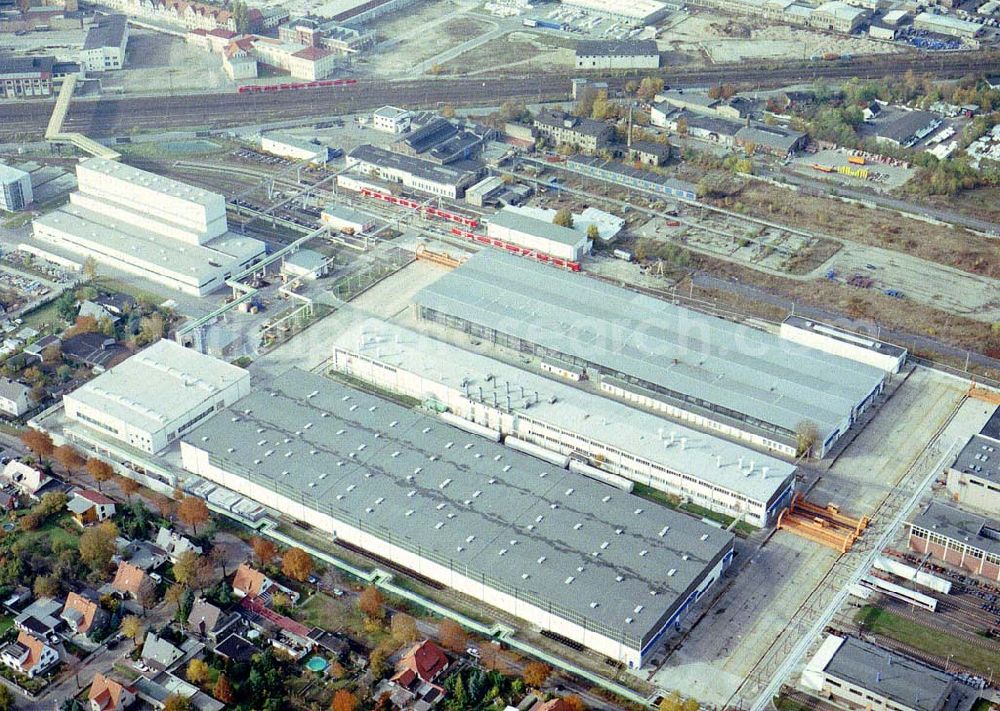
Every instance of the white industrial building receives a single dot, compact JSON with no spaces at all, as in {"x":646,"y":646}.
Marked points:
{"x":391,"y":119}
{"x":947,"y":25}
{"x":582,"y":431}
{"x":845,"y":344}
{"x":105,"y":43}
{"x":154,"y":397}
{"x":341,"y":218}
{"x":617,"y":54}
{"x":608,"y":224}
{"x":305,"y":264}
{"x":425,"y":176}
{"x":632,"y":12}
{"x":295,"y":148}
{"x":154,"y":227}
{"x":524,"y":231}
{"x":540,"y":543}
{"x":15,"y":189}
{"x":735,"y":380}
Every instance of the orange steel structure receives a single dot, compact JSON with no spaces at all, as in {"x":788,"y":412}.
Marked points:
{"x":440,"y":258}
{"x":822,"y":524}
{"x":985,"y":394}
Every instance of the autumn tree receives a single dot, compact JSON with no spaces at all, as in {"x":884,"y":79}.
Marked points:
{"x":563,"y":218}
{"x":164,"y":505}
{"x":574,"y":703}
{"x":176,"y":702}
{"x":100,"y":470}
{"x":448,"y":111}
{"x":89,"y":268}
{"x":452,"y":635}
{"x":197,"y":672}
{"x":265,"y":551}
{"x":223,"y":690}
{"x":46,"y":586}
{"x":132,"y":628}
{"x":38,"y":442}
{"x":151,"y":328}
{"x":593,"y":232}
{"x":297,"y":564}
{"x":192,"y":511}
{"x":536,"y":674}
{"x":404,"y":628}
{"x":128,"y":486}
{"x":377,"y":662}
{"x":371,"y":602}
{"x":344,"y":700}
{"x":175,"y":594}
{"x":806,"y":436}
{"x":649,"y":87}
{"x":97,"y":546}
{"x":52,"y":354}
{"x":192,"y":569}
{"x":69,"y":458}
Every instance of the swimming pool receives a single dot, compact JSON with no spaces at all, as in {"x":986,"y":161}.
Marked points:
{"x":317,"y":664}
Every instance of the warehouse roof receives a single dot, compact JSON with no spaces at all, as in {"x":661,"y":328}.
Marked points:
{"x":616,"y":48}
{"x":839,"y":334}
{"x":157,"y":386}
{"x":347,"y":214}
{"x":713,"y":363}
{"x":840,"y":10}
{"x":980,"y":457}
{"x":775,"y":137}
{"x":514,"y":220}
{"x":574,"y":410}
{"x":634,"y":173}
{"x":638,"y":9}
{"x":949,"y":21}
{"x":107,"y":31}
{"x":992,"y":427}
{"x":554,"y":537}
{"x":417,"y":167}
{"x":583,"y":126}
{"x":959,"y":526}
{"x":907,"y":125}
{"x":191,"y":263}
{"x":901,"y":679}
{"x":26,"y":65}
{"x":152,"y":181}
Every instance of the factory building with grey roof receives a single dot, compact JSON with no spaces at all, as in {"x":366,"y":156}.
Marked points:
{"x":851,"y":673}
{"x":579,"y":430}
{"x":568,"y":554}
{"x":732,"y":379}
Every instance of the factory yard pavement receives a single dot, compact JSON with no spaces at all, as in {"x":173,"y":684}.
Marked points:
{"x":757,"y":611}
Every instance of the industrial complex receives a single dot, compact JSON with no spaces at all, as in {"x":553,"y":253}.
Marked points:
{"x":144,"y":224}
{"x":735,"y":380}
{"x":579,"y":430}
{"x":571,"y":555}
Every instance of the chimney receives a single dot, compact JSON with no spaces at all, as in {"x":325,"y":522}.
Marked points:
{"x":684,"y":441}
{"x":740,"y":463}
{"x":718,"y":462}
{"x":763,"y":472}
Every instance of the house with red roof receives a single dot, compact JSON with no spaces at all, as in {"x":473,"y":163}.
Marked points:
{"x":412,"y":686}
{"x":250,"y":582}
{"x":106,"y":694}
{"x":29,"y":655}
{"x":131,"y":581}
{"x":89,"y":507}
{"x":82,"y":615}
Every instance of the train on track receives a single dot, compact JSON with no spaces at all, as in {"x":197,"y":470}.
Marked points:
{"x":260,"y":88}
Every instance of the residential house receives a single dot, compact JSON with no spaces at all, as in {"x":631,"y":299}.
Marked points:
{"x":776,"y":140}
{"x":872,"y":111}
{"x":96,"y":311}
{"x":236,"y":649}
{"x":131,"y":581}
{"x":209,"y":621}
{"x":82,"y":615}
{"x":106,"y":694}
{"x":29,"y":655}
{"x":9,"y":499}
{"x":94,"y":350}
{"x":174,"y":544}
{"x":36,"y":349}
{"x":89,"y":507}
{"x":649,"y":153}
{"x":29,"y":480}
{"x":119,"y":304}
{"x":551,"y":705}
{"x":583,"y":134}
{"x":15,"y":397}
{"x":41,"y":617}
{"x":413,"y":685}
{"x":250,"y":582}
{"x":158,"y":653}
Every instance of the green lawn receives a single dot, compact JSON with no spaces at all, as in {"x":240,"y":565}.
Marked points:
{"x":5,"y":624}
{"x":334,"y":614}
{"x":742,"y":528}
{"x":932,"y":641}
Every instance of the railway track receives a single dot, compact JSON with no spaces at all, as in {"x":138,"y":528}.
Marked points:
{"x":116,"y":116}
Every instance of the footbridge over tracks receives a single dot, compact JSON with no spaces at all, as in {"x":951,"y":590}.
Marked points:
{"x":55,"y":134}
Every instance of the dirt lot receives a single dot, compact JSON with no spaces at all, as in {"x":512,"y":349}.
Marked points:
{"x":161,"y":63}
{"x":720,"y":38}
{"x":410,"y":48}
{"x":538,"y":51}
{"x":983,"y":203}
{"x":936,"y":243}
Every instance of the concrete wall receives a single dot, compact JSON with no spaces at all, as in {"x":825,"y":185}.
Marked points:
{"x":890,"y":363}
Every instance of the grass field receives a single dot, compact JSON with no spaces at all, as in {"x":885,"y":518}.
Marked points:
{"x":655,"y":495}
{"x":927,"y":639}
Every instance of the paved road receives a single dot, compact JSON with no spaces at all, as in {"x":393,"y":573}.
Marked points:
{"x":911,"y":341}
{"x":108,"y":117}
{"x":886,"y":201}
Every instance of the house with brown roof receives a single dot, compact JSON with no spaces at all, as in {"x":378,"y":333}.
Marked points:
{"x":209,"y":621}
{"x":29,"y":655}
{"x":106,"y":694}
{"x":131,"y":580}
{"x":82,"y":615}
{"x":250,"y":582}
{"x":89,"y":507}
{"x":412,"y":686}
